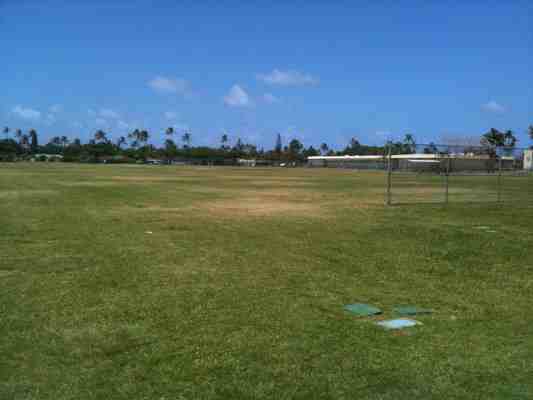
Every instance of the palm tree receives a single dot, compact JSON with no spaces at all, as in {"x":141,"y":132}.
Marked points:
{"x":100,"y":136}
{"x":169,"y":143}
{"x":34,"y":144}
{"x":238,"y":145}
{"x":134,"y":137}
{"x":120,"y":141}
{"x":64,"y":141}
{"x":493,"y":138}
{"x":409,"y":143}
{"x":509,"y":142}
{"x":170,"y":149}
{"x":278,"y":146}
{"x":169,"y":131}
{"x":530,"y":131}
{"x":509,"y":139}
{"x":224,"y":140}
{"x":25,"y":142}
{"x":186,"y":139}
{"x":143,"y":136}
{"x":324,"y":148}
{"x":6,"y":132}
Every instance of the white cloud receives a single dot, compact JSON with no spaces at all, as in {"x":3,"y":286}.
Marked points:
{"x":237,"y":97}
{"x":454,"y":139}
{"x":122,"y":124}
{"x":56,"y":108}
{"x":170,"y":115}
{"x":288,"y":78}
{"x":26,"y":113}
{"x":269,"y":98}
{"x":493,"y":107}
{"x":108,"y":113}
{"x":163,"y":84}
{"x":50,"y":119}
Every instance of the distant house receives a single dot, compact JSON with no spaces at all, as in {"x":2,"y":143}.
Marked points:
{"x":154,"y":161}
{"x":355,"y":162}
{"x":246,"y":163}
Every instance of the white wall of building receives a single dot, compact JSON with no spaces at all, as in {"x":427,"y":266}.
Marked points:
{"x":528,"y":160}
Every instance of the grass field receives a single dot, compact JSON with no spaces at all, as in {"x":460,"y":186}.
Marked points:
{"x":137,"y":282}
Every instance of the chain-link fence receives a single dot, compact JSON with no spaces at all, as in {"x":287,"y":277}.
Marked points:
{"x":444,"y":174}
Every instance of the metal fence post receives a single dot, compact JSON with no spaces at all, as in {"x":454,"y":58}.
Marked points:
{"x":500,"y":180}
{"x":448,"y":162}
{"x":389,"y":178}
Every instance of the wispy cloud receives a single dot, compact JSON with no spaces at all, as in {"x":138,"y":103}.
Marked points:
{"x":122,"y":124}
{"x":56,"y":108}
{"x":162,"y":84}
{"x":26,"y":112}
{"x":237,"y":97}
{"x":288,"y":78}
{"x":50,"y":119}
{"x":100,"y":121}
{"x":108,"y":113}
{"x":493,"y":107}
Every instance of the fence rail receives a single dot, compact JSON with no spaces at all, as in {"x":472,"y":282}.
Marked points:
{"x":444,"y":174}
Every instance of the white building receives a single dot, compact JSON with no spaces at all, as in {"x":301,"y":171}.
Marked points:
{"x":415,"y":162}
{"x":357,"y":162}
{"x":246,"y":163}
{"x":528,"y":160}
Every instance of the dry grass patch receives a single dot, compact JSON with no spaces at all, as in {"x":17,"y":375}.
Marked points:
{"x":279,"y":182}
{"x":258,"y":206}
{"x":264,"y":203}
{"x":259,"y":202}
{"x":87,"y":183}
{"x":150,"y":178}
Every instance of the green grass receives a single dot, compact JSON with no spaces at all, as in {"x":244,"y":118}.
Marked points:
{"x":239,"y":290}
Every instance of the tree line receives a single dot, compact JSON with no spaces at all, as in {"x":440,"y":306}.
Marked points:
{"x":136,"y":147}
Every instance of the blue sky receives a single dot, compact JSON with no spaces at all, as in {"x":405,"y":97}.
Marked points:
{"x":315,"y":70}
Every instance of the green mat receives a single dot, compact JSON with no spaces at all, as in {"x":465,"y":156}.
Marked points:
{"x":362,"y":310}
{"x":411,"y":310}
